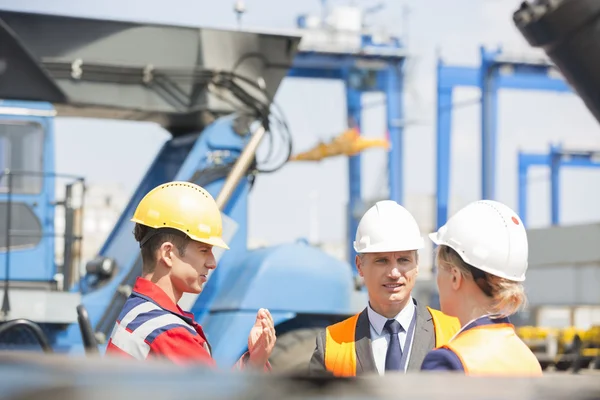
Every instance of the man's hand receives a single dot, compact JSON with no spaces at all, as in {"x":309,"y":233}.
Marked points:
{"x":262,"y":339}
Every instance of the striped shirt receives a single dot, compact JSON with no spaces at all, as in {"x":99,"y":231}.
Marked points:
{"x":150,"y":326}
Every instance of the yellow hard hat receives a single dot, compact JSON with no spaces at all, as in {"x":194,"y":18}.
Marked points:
{"x":183,"y":206}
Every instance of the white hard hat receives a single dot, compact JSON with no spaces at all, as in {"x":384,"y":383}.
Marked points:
{"x":489,"y":236}
{"x":385,"y":227}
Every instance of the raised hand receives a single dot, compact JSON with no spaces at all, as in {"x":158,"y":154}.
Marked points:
{"x":261,"y":339}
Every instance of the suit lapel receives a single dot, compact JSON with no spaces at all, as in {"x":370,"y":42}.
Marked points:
{"x":424,"y":338}
{"x":365,"y":363}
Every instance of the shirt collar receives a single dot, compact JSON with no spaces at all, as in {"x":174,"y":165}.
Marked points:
{"x":152,"y":292}
{"x":404,"y":317}
{"x":484,"y":320}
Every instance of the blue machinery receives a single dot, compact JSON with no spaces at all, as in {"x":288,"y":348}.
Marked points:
{"x":555,"y":159}
{"x":377,"y":68}
{"x":497,"y":72}
{"x":378,"y":71}
{"x":303,"y":287}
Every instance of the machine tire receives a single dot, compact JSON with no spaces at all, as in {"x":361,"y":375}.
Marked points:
{"x":293,"y":350}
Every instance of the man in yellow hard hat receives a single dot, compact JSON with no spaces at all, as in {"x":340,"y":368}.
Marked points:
{"x":177,"y":225}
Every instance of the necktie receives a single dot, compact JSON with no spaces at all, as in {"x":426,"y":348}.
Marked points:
{"x":394,"y":352}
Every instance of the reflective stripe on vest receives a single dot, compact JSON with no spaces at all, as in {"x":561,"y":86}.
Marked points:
{"x":340,"y":342}
{"x":494,"y":350}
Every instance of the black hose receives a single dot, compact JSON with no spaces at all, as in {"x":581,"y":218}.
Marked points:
{"x":246,"y":94}
{"x":87,"y":333}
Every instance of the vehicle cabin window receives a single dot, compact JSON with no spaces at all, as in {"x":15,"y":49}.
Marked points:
{"x":25,"y":227}
{"x":21,"y":151}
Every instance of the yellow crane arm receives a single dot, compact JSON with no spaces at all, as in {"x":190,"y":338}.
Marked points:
{"x":348,"y":143}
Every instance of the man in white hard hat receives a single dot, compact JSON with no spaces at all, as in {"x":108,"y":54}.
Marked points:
{"x":393,"y":332}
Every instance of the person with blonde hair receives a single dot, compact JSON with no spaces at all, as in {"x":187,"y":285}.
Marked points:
{"x":482,"y":257}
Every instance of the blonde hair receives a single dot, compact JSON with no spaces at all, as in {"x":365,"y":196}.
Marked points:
{"x":508,"y":297}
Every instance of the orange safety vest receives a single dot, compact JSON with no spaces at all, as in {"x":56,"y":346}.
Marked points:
{"x":494,"y":350}
{"x":340,"y":342}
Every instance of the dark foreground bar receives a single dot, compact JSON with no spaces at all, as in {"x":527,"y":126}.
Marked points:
{"x":35,"y":377}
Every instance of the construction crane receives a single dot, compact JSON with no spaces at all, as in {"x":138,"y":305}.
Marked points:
{"x":348,"y":143}
{"x":180,"y":78}
{"x":567,"y":31}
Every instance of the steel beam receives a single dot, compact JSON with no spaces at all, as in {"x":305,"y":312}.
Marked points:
{"x":393,"y":90}
{"x":489,"y":85}
{"x":388,"y":78}
{"x":555,"y":159}
{"x":354,"y":112}
{"x":317,"y":73}
{"x":496,"y":72}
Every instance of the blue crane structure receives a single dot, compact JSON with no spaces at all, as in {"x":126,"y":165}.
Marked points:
{"x":210,"y":102}
{"x":381,"y":72}
{"x":556,"y":158}
{"x":496,"y":71}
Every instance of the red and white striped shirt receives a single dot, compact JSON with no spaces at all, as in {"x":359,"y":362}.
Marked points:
{"x":151,"y":325}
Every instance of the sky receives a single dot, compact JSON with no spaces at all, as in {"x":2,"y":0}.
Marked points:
{"x":452,"y":29}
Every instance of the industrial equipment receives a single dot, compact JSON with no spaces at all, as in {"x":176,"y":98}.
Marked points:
{"x":498,"y":70}
{"x":567,"y":31}
{"x":349,"y":143}
{"x":565,"y":348}
{"x":556,"y":158}
{"x":217,"y":105}
{"x":561,"y":321}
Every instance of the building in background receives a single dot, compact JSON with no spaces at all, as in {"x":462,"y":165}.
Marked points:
{"x":103,"y":204}
{"x":563,"y":279}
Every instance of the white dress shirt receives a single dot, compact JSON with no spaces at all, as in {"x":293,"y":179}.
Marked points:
{"x":380,"y":339}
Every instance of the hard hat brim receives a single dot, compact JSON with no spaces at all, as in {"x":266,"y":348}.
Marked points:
{"x":216,"y":242}
{"x":434,"y":236}
{"x":390,"y":248}
{"x":213,"y":241}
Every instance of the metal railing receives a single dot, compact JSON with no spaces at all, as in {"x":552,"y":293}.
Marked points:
{"x":30,"y":326}
{"x":73,"y":217}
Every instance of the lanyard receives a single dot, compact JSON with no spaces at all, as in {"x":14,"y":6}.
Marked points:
{"x":408,"y":341}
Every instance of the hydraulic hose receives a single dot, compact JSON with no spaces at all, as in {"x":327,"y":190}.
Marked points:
{"x":569,"y":33}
